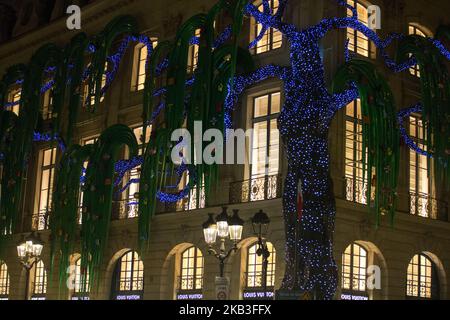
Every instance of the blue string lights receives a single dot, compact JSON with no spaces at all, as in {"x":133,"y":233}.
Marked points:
{"x":304,"y":124}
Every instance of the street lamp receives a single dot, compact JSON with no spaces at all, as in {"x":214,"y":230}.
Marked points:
{"x":260,"y":223}
{"x":223,"y":227}
{"x":29,"y":251}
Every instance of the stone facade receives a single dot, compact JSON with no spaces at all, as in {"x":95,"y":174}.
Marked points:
{"x":390,"y":247}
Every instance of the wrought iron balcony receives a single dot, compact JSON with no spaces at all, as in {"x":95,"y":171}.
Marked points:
{"x":40,"y":221}
{"x":423,"y":205}
{"x":187,"y":204}
{"x":356,"y":190}
{"x":125,"y":209}
{"x":257,"y":189}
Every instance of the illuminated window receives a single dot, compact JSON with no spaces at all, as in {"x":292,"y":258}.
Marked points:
{"x":191,"y":274}
{"x":131,"y":209}
{"x":193,"y":54}
{"x":272,"y":39}
{"x":81,"y":287}
{"x":140,"y":62}
{"x":191,"y":203}
{"x":356,"y":182}
{"x":88,"y":99}
{"x":422,"y":281}
{"x":13,"y":101}
{"x":47,"y":105}
{"x":266,"y":147}
{"x":354,"y":269}
{"x":358,"y":42}
{"x":255,"y":274}
{"x":128,"y":279}
{"x":84,"y":142}
{"x":38,"y":278}
{"x":415,"y":30}
{"x":4,"y":281}
{"x":421,"y":203}
{"x":46,"y":179}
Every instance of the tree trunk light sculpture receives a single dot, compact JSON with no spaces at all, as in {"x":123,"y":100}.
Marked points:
{"x":209,"y":95}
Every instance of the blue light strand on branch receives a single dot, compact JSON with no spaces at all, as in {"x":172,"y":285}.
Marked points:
{"x":404,"y":133}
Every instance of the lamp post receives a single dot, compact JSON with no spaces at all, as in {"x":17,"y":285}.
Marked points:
{"x":29,"y":251}
{"x":223,"y":227}
{"x":260,"y":223}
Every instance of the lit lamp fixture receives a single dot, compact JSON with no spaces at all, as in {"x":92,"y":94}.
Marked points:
{"x":223,"y":227}
{"x":29,"y":251}
{"x":260,"y":223}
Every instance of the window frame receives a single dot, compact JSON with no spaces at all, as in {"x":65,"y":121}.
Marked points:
{"x":38,"y":279}
{"x":40,"y":219}
{"x":371,"y":48}
{"x":194,"y":291}
{"x":5,"y":281}
{"x":434,"y":281}
{"x":362,"y":271}
{"x":117,"y":279}
{"x":77,"y":294}
{"x":136,"y":84}
{"x":254,"y":266}
{"x":270,"y":33}
{"x":414,"y":191}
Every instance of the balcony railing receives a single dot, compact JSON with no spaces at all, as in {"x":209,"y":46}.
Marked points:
{"x":356,"y":190}
{"x":40,"y":221}
{"x":423,"y":205}
{"x":125,"y":209}
{"x":257,"y":189}
{"x":188,"y":203}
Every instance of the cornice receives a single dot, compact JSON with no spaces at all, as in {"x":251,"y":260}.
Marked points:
{"x":57,"y":29}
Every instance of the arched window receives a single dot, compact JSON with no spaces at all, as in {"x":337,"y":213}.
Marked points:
{"x":358,"y":42}
{"x":193,"y":54}
{"x":272,"y":39}
{"x":38,"y":279}
{"x":414,"y":29}
{"x":128,"y":278}
{"x":190,"y":285}
{"x":80,"y":289}
{"x":354,"y":273}
{"x":255,"y":288}
{"x":422,"y":280}
{"x":4,"y":281}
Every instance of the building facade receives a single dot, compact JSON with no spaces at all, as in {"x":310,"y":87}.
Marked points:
{"x":412,"y":256}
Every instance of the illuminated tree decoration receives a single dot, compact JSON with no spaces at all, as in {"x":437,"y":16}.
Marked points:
{"x":174,"y":97}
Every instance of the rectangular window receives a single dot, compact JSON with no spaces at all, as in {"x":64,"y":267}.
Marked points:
{"x":129,"y":207}
{"x":39,"y":284}
{"x":140,"y":63}
{"x":421,"y":203}
{"x":46,"y":178}
{"x":358,"y":42}
{"x":193,"y":54}
{"x":272,"y":39}
{"x":265,"y":152}
{"x":84,"y":142}
{"x":356,"y":178}
{"x":13,"y":101}
{"x":47,"y":105}
{"x":414,"y":30}
{"x":87,"y":98}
